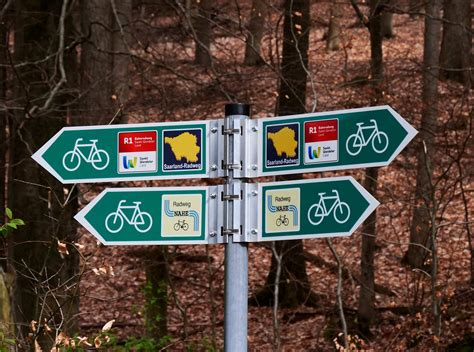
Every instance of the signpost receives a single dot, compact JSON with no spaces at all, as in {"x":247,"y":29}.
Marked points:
{"x":145,"y":216}
{"x":325,"y":207}
{"x":147,"y":151}
{"x":235,"y":148}
{"x":336,"y":140}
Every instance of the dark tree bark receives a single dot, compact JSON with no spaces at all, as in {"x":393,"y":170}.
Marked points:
{"x":333,"y":39}
{"x":97,"y":61}
{"x":4,"y":22}
{"x":456,"y":56}
{"x":414,"y":7}
{"x":366,"y":307}
{"x":203,"y":34}
{"x":121,"y":60}
{"x":387,"y":25}
{"x":46,"y":206}
{"x":156,"y":293}
{"x":421,"y":224}
{"x":292,"y":89}
{"x":294,"y":285}
{"x":256,"y":30}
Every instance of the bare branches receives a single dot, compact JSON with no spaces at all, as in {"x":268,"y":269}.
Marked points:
{"x":339,"y":292}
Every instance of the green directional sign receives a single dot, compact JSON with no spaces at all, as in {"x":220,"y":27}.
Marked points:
{"x":154,"y":215}
{"x":336,"y":140}
{"x":314,"y":208}
{"x":128,"y":152}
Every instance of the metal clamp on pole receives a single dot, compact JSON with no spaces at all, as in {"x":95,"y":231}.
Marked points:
{"x":236,"y":255}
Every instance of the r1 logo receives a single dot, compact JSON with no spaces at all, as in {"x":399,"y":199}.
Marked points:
{"x":137,"y":151}
{"x":321,"y":141}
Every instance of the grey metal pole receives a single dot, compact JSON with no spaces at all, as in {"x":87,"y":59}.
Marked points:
{"x":236,"y":259}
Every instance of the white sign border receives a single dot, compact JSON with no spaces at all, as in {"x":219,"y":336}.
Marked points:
{"x":411,"y":133}
{"x":81,"y":216}
{"x":38,"y":155}
{"x":373,"y":204}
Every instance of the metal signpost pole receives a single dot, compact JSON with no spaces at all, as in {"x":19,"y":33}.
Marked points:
{"x":236,"y":254}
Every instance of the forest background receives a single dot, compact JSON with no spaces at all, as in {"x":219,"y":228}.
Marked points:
{"x":403,"y":280}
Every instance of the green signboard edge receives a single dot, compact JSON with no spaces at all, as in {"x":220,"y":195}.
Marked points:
{"x":411,"y":133}
{"x":38,"y":155}
{"x":81,"y":216}
{"x":373,"y":204}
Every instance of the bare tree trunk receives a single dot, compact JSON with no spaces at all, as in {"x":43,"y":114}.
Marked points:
{"x":256,"y":29}
{"x":203,"y":34}
{"x":333,"y":39}
{"x":366,"y":307}
{"x":97,"y":61}
{"x":414,"y":7}
{"x":122,"y":10}
{"x":156,"y":293}
{"x":456,"y":58}
{"x":3,"y":129}
{"x":421,"y":221}
{"x":294,"y":288}
{"x":387,"y":25}
{"x":46,"y":206}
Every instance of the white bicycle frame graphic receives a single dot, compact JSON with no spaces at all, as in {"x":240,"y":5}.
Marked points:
{"x":141,"y":220}
{"x":340,"y":210}
{"x":98,"y":158}
{"x":356,"y":141}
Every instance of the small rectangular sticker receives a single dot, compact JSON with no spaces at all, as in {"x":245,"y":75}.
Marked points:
{"x":321,"y":141}
{"x":137,"y":152}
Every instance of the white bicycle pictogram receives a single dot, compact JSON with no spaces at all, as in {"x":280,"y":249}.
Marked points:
{"x":318,"y":211}
{"x":98,"y":158}
{"x":141,"y":220}
{"x":356,"y":141}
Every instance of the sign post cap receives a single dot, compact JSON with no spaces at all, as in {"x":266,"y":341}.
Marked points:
{"x":237,"y":109}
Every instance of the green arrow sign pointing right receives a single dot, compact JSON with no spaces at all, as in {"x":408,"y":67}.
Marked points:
{"x":328,"y":207}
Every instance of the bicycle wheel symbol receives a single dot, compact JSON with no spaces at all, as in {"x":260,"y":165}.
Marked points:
{"x":319,"y":211}
{"x":140,"y":220}
{"x":98,"y":158}
{"x":181,"y":225}
{"x":282,"y":220}
{"x":358,"y":140}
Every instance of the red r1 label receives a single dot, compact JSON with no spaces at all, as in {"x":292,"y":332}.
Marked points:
{"x":137,"y":152}
{"x":321,"y":141}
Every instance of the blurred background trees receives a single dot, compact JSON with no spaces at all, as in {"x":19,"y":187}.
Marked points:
{"x":76,"y":62}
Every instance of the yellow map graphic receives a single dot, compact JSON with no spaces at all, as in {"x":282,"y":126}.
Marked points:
{"x":184,"y":146}
{"x":284,"y":142}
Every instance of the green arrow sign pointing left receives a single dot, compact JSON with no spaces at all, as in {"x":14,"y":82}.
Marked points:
{"x":154,"y":215}
{"x":128,"y":152}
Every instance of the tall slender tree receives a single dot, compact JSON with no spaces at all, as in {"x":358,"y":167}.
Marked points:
{"x":294,"y":287}
{"x":45,"y":263}
{"x":366,"y":306}
{"x":202,"y":33}
{"x":256,"y":29}
{"x":97,"y":21}
{"x":421,"y":220}
{"x":333,"y":39}
{"x":456,"y":57}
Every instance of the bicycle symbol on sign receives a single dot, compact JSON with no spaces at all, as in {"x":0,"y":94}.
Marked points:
{"x":356,"y":141}
{"x":318,"y":211}
{"x":98,"y":158}
{"x":181,"y":225}
{"x":282,"y":220}
{"x":141,"y":220}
